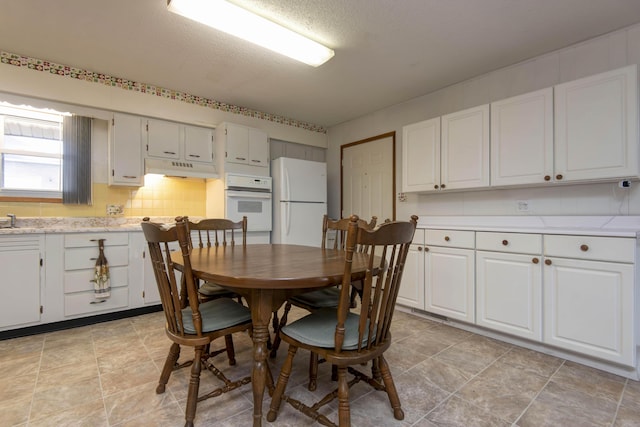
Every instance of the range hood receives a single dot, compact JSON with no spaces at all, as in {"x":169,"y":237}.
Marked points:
{"x":180,"y":168}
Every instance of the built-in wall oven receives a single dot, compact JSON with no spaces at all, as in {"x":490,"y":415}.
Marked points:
{"x":250,"y":196}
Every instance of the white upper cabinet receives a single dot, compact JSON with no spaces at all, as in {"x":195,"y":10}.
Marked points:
{"x":125,"y":151}
{"x":421,"y":156}
{"x":465,"y":149}
{"x":258,"y":148}
{"x":198,"y":144}
{"x":242,"y":149}
{"x":163,"y":139}
{"x":522,"y":139}
{"x":596,"y":127}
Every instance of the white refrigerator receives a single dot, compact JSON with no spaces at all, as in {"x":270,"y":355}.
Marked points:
{"x":299,"y":201}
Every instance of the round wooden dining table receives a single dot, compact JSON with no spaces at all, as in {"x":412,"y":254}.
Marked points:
{"x":266,"y":275}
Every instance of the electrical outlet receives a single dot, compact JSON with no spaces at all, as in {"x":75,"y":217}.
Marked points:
{"x":523,"y":205}
{"x":113,"y":210}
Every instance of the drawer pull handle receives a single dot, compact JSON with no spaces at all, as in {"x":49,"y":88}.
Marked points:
{"x":426,"y":249}
{"x":169,"y":152}
{"x":240,"y":158}
{"x":559,"y":176}
{"x":95,"y":240}
{"x":129,"y":176}
{"x":442,"y":186}
{"x":436,"y":186}
{"x":194,"y":155}
{"x":419,"y":248}
{"x":446,"y":238}
{"x":547,"y":261}
{"x":584,"y":248}
{"x":535,"y":260}
{"x":93,"y":259}
{"x":98,"y":302}
{"x":547,"y":178}
{"x":505,"y":242}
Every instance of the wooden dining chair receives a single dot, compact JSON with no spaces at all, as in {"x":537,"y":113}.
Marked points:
{"x":332,"y":231}
{"x":346,"y":338}
{"x":190,"y":323}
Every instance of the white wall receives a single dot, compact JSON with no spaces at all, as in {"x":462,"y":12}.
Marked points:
{"x":593,"y":56}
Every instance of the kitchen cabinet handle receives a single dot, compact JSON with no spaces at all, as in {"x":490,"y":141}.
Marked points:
{"x":194,"y":155}
{"x":447,"y":238}
{"x":93,"y":259}
{"x":584,"y":248}
{"x":95,"y":240}
{"x":547,"y":178}
{"x":505,"y":242}
{"x":547,"y":261}
{"x":98,"y":302}
{"x":535,"y":260}
{"x":169,"y":152}
{"x":240,"y":158}
{"x":559,"y":176}
{"x":426,"y":249}
{"x":442,"y":186}
{"x":419,"y":248}
{"x":436,"y":186}
{"x":129,"y":176}
{"x":257,"y":161}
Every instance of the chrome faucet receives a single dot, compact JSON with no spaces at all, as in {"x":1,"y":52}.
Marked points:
{"x":13,"y":220}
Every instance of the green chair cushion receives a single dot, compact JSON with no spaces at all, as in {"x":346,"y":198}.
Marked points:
{"x":217,"y":314}
{"x":318,"y":329}
{"x":322,"y":298}
{"x":214,"y":290}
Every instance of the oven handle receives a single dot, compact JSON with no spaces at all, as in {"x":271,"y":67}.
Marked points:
{"x":248,"y":195}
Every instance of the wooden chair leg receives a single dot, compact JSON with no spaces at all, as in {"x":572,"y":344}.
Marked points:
{"x":313,"y":371}
{"x":231,"y":351}
{"x":194,"y":385}
{"x":283,"y":378}
{"x":344,"y":413}
{"x":390,"y":387}
{"x":169,"y":363}
{"x":282,"y":324}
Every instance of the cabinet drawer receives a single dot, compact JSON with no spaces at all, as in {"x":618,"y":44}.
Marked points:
{"x":86,"y":302}
{"x":616,"y":249}
{"x":91,"y":239}
{"x":451,"y":238}
{"x":509,"y":242}
{"x":80,"y":280}
{"x":84,"y":258}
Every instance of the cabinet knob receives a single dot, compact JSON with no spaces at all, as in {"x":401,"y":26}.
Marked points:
{"x":419,"y":248}
{"x":559,"y":176}
{"x":547,"y":178}
{"x":442,"y":186}
{"x":505,"y":242}
{"x":584,"y":248}
{"x":535,"y":260}
{"x":426,"y":249}
{"x":547,"y":261}
{"x":436,"y":186}
{"x":447,"y":238}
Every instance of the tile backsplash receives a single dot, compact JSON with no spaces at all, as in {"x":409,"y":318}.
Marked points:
{"x":160,"y":196}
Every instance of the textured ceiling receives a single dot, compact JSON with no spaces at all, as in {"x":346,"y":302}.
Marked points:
{"x":387,"y":51}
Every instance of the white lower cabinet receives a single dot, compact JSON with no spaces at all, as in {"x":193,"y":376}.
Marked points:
{"x":509,"y":283}
{"x":20,"y":266}
{"x":411,"y":293}
{"x":588,"y":298}
{"x":449,"y":274}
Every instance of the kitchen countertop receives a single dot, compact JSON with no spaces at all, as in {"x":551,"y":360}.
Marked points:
{"x":616,"y":226}
{"x":31,"y":225}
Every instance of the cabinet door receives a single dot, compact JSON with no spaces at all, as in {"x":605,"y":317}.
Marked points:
{"x":20,"y":289}
{"x":421,"y":156}
{"x":411,"y":292}
{"x":588,"y":308}
{"x":509,"y":293}
{"x":125,"y":151}
{"x":258,"y":148}
{"x":198,"y":144}
{"x":465,"y":149}
{"x":522,"y":139}
{"x":449,"y":282}
{"x":163,"y":139}
{"x":596,"y":126}
{"x":237,"y":144}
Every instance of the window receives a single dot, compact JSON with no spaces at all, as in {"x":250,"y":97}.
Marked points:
{"x":30,"y":152}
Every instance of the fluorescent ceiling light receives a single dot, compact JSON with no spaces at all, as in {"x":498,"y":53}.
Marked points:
{"x":239,"y":22}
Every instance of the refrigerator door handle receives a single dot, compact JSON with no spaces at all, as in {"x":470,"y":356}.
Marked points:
{"x":286,"y":186}
{"x":287,"y":218}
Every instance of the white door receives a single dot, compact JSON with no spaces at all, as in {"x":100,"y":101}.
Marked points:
{"x":301,"y":223}
{"x":368,"y":182}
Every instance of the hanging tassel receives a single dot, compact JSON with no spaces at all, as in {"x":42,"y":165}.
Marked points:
{"x":101,"y":283}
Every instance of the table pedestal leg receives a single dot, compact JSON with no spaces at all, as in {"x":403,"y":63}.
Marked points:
{"x":260,"y":303}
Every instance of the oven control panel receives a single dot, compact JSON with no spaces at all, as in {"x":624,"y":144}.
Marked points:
{"x":248,"y":183}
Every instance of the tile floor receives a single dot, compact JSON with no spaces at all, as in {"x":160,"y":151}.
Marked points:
{"x":106,"y":374}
